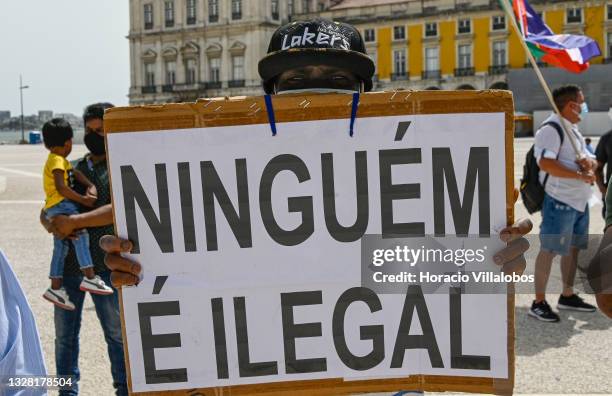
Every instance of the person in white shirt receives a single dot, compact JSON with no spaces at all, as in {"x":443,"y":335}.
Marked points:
{"x":565,"y":213}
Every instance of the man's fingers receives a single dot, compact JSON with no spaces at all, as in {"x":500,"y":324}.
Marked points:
{"x":516,"y":231}
{"x":119,"y":279}
{"x":513,"y":250}
{"x":516,"y":266}
{"x":516,"y":195}
{"x":117,"y":263}
{"x":113,"y":244}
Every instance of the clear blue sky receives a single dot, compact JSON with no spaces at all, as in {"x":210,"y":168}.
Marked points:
{"x":70,"y":52}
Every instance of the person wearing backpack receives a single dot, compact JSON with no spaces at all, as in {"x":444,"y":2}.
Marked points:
{"x":566,"y":181}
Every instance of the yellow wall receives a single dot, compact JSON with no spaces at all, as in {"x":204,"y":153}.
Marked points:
{"x":594,"y":19}
{"x":448,"y":57}
{"x":516,"y":52}
{"x":555,"y":19}
{"x":482,"y":44}
{"x":384,"y":52}
{"x":481,"y":25}
{"x":415,"y":50}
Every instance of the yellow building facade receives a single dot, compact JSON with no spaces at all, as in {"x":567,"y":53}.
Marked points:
{"x":451,"y":44}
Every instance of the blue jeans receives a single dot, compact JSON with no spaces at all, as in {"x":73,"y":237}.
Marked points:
{"x":60,"y":246}
{"x":68,"y":324}
{"x":563,"y":227}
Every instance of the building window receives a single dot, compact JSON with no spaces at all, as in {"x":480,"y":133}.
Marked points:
{"x":399,"y":63}
{"x":169,"y":13}
{"x":215,"y":70}
{"x":191,"y":12}
{"x":609,"y":13}
{"x":305,"y":5}
{"x":149,"y":74}
{"x":213,"y":11}
{"x":609,"y":56}
{"x":431,"y":29}
{"x":170,"y":72}
{"x":399,"y":33}
{"x":321,"y":6}
{"x":574,"y":15}
{"x":499,"y":53}
{"x":465,"y":26}
{"x":369,"y":35}
{"x":238,"y":68}
{"x":236,"y":9}
{"x":274,"y":9}
{"x":499,"y":22}
{"x":290,"y":7}
{"x":432,"y":59}
{"x":191,"y":71}
{"x":374,"y":56}
{"x":465,"y":56}
{"x":148,"y":16}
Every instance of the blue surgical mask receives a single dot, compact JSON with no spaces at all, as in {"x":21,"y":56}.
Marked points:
{"x":584,"y":108}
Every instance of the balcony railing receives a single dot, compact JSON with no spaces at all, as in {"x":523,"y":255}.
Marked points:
{"x":213,"y":18}
{"x":168,"y":88}
{"x":235,"y":83}
{"x":399,"y":76}
{"x":148,"y":25}
{"x":213,"y":85}
{"x":499,"y":26}
{"x":275,"y":16}
{"x":236,"y":15}
{"x":431,"y":75}
{"x":464,"y":71}
{"x":191,"y":20}
{"x":149,"y":89}
{"x":169,"y":23}
{"x":498,"y":69}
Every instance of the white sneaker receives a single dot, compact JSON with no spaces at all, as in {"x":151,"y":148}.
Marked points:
{"x":59,"y":297}
{"x":95,"y":285}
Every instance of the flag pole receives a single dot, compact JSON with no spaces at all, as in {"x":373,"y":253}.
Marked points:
{"x":538,"y":72}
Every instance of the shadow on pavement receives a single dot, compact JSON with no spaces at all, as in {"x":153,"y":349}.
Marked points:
{"x":533,"y":336}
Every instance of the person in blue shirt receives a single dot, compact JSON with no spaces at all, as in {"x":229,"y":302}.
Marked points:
{"x":20,"y":350}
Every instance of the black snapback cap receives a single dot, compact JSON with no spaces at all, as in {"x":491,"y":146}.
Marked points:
{"x":316,"y":42}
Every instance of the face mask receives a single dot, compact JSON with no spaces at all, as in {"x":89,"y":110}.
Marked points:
{"x":317,"y":90}
{"x":95,"y":143}
{"x":584,"y":108}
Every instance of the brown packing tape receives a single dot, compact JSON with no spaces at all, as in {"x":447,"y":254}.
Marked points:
{"x":216,"y":112}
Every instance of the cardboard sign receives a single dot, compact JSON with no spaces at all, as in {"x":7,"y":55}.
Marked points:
{"x":250,"y":242}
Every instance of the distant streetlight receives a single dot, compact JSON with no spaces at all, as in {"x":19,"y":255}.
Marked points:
{"x":21,"y":88}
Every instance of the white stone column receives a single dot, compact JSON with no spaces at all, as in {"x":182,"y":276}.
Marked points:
{"x":226,"y":63}
{"x":137,"y":64}
{"x":180,"y":63}
{"x":159,"y":69}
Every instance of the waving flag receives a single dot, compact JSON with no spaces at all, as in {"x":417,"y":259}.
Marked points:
{"x":567,"y":51}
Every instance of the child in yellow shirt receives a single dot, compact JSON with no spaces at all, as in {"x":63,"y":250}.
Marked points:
{"x":61,"y":199}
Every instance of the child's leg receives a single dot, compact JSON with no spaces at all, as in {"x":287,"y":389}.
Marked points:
{"x":81,"y":247}
{"x":60,"y":250}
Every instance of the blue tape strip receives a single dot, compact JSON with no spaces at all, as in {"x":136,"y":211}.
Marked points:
{"x":354,"y":112}
{"x":270,"y":110}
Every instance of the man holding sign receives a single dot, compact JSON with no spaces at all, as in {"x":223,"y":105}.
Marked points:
{"x":315,"y":56}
